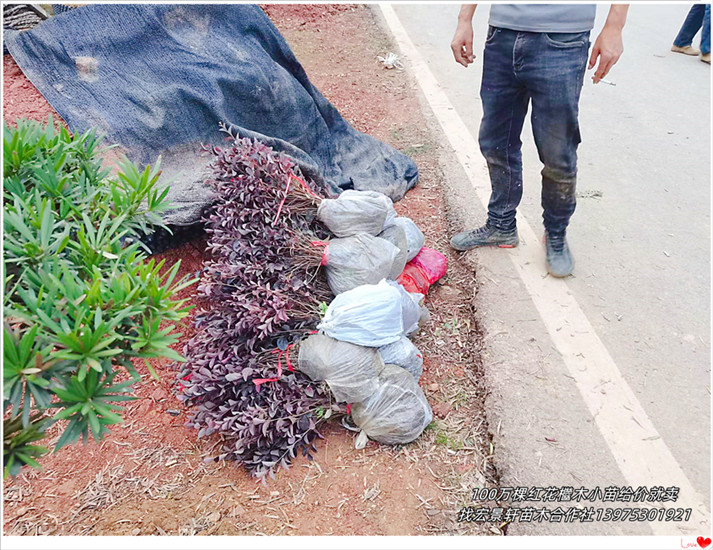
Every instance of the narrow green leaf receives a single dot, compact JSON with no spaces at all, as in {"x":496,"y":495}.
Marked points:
{"x":150,"y":369}
{"x":66,"y":413}
{"x":94,"y":425}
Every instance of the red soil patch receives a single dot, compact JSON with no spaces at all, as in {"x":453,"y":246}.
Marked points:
{"x":20,"y":98}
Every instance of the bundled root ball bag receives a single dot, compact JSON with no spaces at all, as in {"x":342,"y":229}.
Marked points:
{"x":414,"y":238}
{"x":396,"y":235}
{"x":411,"y":307}
{"x":368,"y":315}
{"x":397,"y":413}
{"x":354,"y":261}
{"x":404,"y":354}
{"x":356,"y":212}
{"x":350,"y":371}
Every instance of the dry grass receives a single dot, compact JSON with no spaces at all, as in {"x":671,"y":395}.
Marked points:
{"x":149,"y":479}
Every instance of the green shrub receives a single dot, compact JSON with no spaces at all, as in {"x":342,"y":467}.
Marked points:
{"x":80,"y":297}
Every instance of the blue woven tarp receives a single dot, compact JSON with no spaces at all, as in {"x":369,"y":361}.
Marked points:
{"x":158,"y":79}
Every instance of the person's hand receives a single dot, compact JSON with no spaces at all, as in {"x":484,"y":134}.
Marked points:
{"x":608,"y":48}
{"x":462,"y":45}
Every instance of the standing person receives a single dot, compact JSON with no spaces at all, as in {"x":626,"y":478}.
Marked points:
{"x":699,"y":17}
{"x":534,"y":53}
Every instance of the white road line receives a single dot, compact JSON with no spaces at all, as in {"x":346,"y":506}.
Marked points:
{"x":641,"y":454}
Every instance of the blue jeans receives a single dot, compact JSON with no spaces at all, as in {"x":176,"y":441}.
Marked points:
{"x":699,"y":17}
{"x":547,"y":69}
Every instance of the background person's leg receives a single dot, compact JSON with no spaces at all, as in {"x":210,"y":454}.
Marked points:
{"x":706,"y":34}
{"x":690,"y":26}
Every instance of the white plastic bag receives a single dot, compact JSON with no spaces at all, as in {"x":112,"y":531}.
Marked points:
{"x":414,"y":238}
{"x":368,"y":315}
{"x":358,"y":260}
{"x":397,"y":413}
{"x":404,"y":354}
{"x":356,"y":212}
{"x":350,"y":371}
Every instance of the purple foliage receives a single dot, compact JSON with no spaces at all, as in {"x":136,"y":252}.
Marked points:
{"x":257,"y":299}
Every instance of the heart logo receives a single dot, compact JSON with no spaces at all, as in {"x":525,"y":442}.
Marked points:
{"x":703,"y":542}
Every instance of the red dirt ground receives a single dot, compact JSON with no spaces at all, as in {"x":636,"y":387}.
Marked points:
{"x":148,"y":477}
{"x":20,"y":97}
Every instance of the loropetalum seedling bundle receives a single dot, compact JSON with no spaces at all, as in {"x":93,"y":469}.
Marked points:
{"x":258,"y":302}
{"x":256,"y":371}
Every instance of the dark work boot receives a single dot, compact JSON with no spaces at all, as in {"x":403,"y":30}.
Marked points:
{"x":559,"y":259}
{"x":485,"y":236}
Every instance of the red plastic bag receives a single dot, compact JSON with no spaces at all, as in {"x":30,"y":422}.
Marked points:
{"x":413,"y":279}
{"x":425,"y":269}
{"x":433,"y":264}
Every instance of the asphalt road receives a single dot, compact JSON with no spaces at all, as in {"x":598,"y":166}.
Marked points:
{"x":641,"y":241}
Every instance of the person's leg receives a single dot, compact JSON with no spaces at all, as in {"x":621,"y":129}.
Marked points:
{"x":690,"y":26}
{"x":505,"y":102}
{"x":554,"y":73}
{"x":706,"y":33}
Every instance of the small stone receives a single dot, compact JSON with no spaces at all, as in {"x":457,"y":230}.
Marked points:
{"x":21,"y":511}
{"x":238,"y":510}
{"x":136,"y":531}
{"x":144,"y":408}
{"x":214,"y":517}
{"x":441,"y":410}
{"x":434,"y":386}
{"x":173,"y":412}
{"x":159,"y":394}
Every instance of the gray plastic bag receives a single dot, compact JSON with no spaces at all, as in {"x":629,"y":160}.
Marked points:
{"x":414,"y":238}
{"x":397,"y":413}
{"x":388,"y":206}
{"x":404,"y":354}
{"x":396,"y":235}
{"x":356,"y":212}
{"x":368,"y":315}
{"x":358,"y":260}
{"x":350,"y":371}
